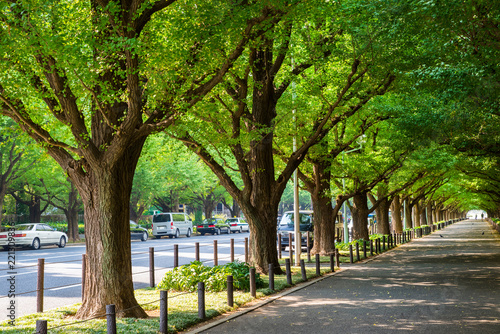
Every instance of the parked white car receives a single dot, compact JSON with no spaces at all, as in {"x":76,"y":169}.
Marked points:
{"x":172,"y":224}
{"x":32,"y":235}
{"x":237,"y":225}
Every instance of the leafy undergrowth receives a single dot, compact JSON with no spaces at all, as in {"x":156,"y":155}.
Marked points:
{"x":182,"y":310}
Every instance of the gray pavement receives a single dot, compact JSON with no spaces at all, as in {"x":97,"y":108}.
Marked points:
{"x":447,"y":282}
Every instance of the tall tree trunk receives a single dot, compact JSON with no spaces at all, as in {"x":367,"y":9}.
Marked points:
{"x":2,"y":198}
{"x":324,"y":224}
{"x":108,"y":276}
{"x":418,"y":213}
{"x":360,"y":213}
{"x":72,"y":214}
{"x":408,"y":212}
{"x":397,"y":223}
{"x":429,"y":213}
{"x":423,"y":214}
{"x":383,"y":217}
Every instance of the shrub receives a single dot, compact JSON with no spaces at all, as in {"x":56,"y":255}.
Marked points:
{"x":187,"y":277}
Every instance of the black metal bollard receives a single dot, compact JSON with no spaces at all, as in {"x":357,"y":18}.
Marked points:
{"x":39,"y":285}
{"x":351,"y":258}
{"x":201,"y":300}
{"x":253,"y":286}
{"x":383,"y":242}
{"x":111,"y":319}
{"x":303,"y":270}
{"x":337,"y":257}
{"x":357,"y":252}
{"x":271,"y":276}
{"x":364,"y":249}
{"x":231,"y":246}
{"x":332,"y":262}
{"x":197,"y":251}
{"x":371,"y":247}
{"x":290,"y":246}
{"x":230,"y":299}
{"x":176,"y":256}
{"x":163,"y":311}
{"x":41,"y":327}
{"x":84,"y":268}
{"x":288,"y":272}
{"x":216,"y":257}
{"x":318,"y":265}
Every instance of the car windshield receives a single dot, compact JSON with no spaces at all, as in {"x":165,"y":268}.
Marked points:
{"x":24,"y":227}
{"x":210,"y":221}
{"x":288,"y":219}
{"x":231,"y":220}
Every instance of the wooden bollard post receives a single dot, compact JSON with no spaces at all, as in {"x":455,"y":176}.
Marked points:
{"x":308,"y":246}
{"x":230,"y":299}
{"x":163,"y":311}
{"x":279,"y":245}
{"x":290,"y":246}
{"x":176,"y":256}
{"x":337,"y":257}
{"x":41,"y":327}
{"x":201,"y":300}
{"x":288,"y":272}
{"x":318,"y":265}
{"x":151,"y":267}
{"x":351,"y":258}
{"x":197,"y":251}
{"x":253,"y":285}
{"x":271,"y":276}
{"x":246,"y":250}
{"x":216,"y":256}
{"x":231,"y":246}
{"x":332,"y":262}
{"x":39,"y":285}
{"x":364,"y":249}
{"x":111,"y":319}
{"x":358,"y":258}
{"x":84,"y":268}
{"x":371,"y":247}
{"x":383,"y":242}
{"x":303,"y":270}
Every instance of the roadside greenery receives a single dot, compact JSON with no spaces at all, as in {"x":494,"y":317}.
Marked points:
{"x":187,"y":277}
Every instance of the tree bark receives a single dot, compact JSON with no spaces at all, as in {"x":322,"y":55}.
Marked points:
{"x":383,"y":217}
{"x":408,"y":212}
{"x":108,"y":277}
{"x":360,"y":213}
{"x":397,"y":223}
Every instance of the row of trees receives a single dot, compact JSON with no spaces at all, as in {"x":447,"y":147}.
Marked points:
{"x":256,"y":90}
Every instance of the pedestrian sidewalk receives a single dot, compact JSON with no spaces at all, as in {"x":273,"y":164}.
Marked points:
{"x":448,"y":281}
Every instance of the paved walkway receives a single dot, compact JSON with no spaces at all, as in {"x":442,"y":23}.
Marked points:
{"x":447,"y":282}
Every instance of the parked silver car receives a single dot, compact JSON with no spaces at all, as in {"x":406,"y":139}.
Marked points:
{"x":32,"y":235}
{"x":238,"y":225}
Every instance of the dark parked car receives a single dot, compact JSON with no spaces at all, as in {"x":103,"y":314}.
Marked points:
{"x":286,"y":226}
{"x":137,"y":232}
{"x":213,"y":226}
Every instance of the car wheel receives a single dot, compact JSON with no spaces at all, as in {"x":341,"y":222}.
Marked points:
{"x":62,"y":242}
{"x":36,"y":244}
{"x":188,"y":234}
{"x":217,"y":231}
{"x":177,"y":233}
{"x":144,"y":236}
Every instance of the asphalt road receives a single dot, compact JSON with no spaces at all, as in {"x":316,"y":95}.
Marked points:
{"x":63,"y":268}
{"x":447,"y":282}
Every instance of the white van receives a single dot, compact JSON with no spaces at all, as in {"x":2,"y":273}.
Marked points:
{"x":172,"y":224}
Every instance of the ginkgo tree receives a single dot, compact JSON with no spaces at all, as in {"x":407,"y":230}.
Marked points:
{"x":91,"y":80}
